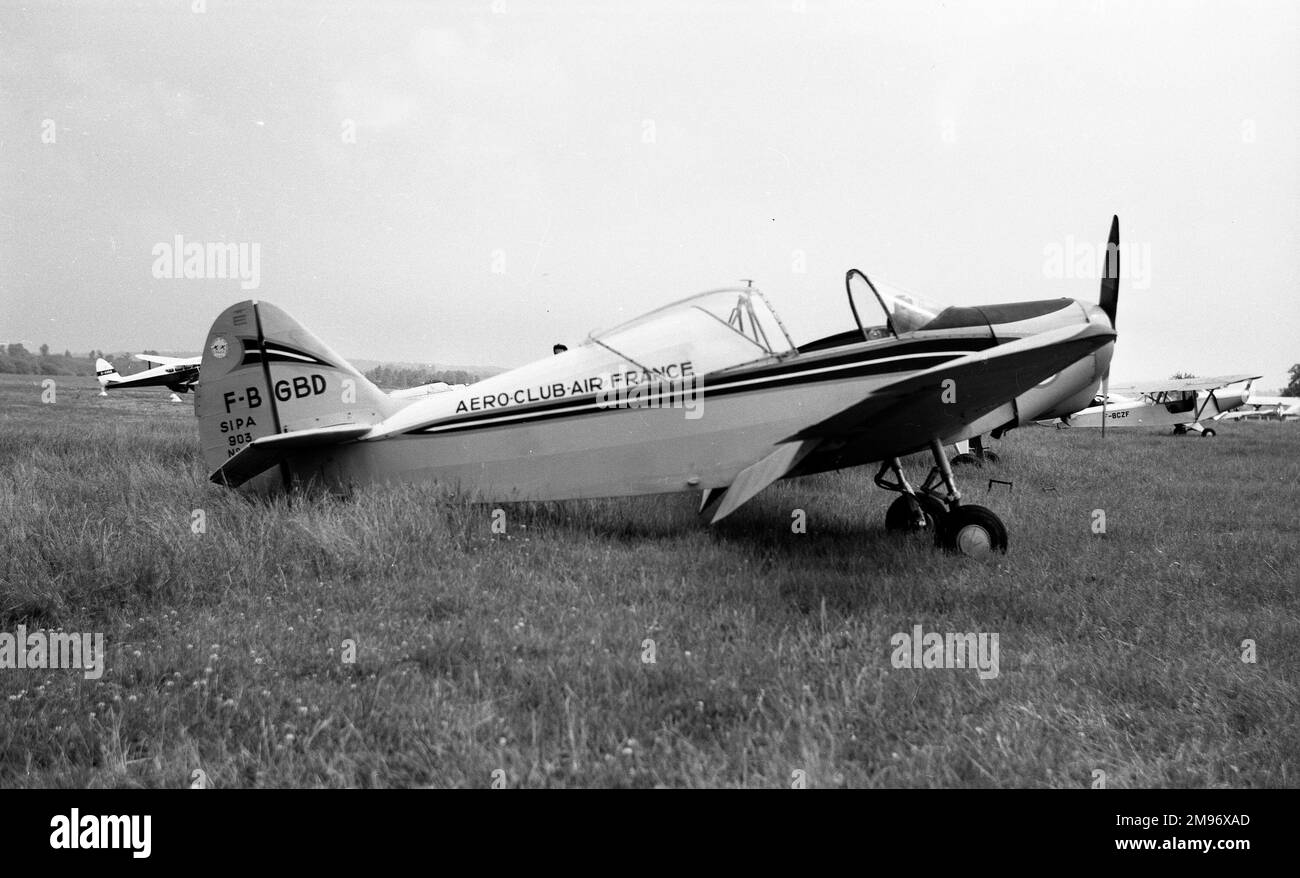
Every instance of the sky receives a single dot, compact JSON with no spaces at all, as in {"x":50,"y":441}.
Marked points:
{"x":467,"y":183}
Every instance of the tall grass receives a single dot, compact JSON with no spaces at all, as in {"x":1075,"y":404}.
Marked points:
{"x":521,"y":653}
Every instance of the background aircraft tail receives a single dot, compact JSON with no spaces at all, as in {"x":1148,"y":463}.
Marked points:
{"x":264,"y":374}
{"x":106,"y":372}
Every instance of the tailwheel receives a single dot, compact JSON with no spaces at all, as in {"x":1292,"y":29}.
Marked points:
{"x":901,"y":515}
{"x":973,"y":530}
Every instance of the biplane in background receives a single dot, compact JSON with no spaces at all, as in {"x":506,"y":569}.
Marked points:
{"x":177,"y":374}
{"x":707,"y":395}
{"x":1181,"y":403}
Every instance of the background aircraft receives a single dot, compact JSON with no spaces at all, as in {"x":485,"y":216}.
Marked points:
{"x":617,"y":416}
{"x":176,"y":374}
{"x":1266,"y":408}
{"x":1178,"y":402}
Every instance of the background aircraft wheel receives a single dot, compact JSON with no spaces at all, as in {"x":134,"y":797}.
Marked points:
{"x":964,"y":459}
{"x":899,"y":516}
{"x":973,"y":530}
{"x":1207,"y":433}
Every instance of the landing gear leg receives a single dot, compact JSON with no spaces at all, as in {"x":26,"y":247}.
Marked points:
{"x":911,"y":511}
{"x":988,"y":455}
{"x":970,"y":530}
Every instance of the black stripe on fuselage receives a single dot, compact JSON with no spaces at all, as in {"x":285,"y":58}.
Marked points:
{"x":879,"y":360}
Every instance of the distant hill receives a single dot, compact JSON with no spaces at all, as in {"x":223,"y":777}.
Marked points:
{"x":364,"y":366}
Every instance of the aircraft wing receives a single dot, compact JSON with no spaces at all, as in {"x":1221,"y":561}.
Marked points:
{"x":168,"y":361}
{"x":1169,"y":385}
{"x":940,"y":401}
{"x":932,"y":404}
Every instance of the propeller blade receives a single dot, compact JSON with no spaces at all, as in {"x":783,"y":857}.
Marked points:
{"x":1109,"y":300}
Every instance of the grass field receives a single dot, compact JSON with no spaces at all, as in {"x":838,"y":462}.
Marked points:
{"x":518,"y":657}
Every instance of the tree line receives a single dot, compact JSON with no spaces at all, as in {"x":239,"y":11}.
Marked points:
{"x":393,"y":377}
{"x":15,"y":359}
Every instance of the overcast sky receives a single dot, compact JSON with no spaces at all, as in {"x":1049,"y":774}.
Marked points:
{"x":469,"y":182}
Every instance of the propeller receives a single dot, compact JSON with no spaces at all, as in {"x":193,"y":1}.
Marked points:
{"x":1109,"y":302}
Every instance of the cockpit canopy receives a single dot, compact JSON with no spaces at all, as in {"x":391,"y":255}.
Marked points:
{"x":714,"y":330}
{"x":902,"y":310}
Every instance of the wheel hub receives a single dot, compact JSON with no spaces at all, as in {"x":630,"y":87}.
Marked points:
{"x":974,"y":540}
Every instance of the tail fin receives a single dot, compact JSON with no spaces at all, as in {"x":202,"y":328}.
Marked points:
{"x":264,"y":374}
{"x":106,"y":372}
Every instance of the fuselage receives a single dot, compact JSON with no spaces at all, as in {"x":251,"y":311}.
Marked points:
{"x":179,"y":378}
{"x":679,"y":436}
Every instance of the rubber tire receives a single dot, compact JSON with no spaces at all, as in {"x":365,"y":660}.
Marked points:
{"x":1179,"y":429}
{"x":953,"y":539}
{"x":898,"y":518}
{"x":964,"y":459}
{"x":1207,"y":433}
{"x":991,"y":457}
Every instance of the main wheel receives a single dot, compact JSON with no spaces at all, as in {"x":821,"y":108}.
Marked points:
{"x":1207,"y":433}
{"x":991,"y":456}
{"x":973,"y":530}
{"x":966,"y":459}
{"x":899,"y":515}
{"x":1179,"y":429}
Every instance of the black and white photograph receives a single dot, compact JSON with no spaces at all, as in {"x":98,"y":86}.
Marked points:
{"x":788,"y":394}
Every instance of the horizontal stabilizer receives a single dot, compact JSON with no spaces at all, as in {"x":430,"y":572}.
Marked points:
{"x":267,"y":451}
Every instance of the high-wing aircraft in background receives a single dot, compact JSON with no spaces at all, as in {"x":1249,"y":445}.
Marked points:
{"x":177,"y":374}
{"x":1178,"y":402}
{"x":1266,"y":408}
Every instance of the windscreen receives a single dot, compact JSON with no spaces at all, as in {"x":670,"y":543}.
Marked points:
{"x":882,"y":307}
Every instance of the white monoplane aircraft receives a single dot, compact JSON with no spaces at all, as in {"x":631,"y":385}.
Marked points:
{"x":706,"y":395}
{"x":1266,"y":408}
{"x":1181,"y":403}
{"x":177,"y":374}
